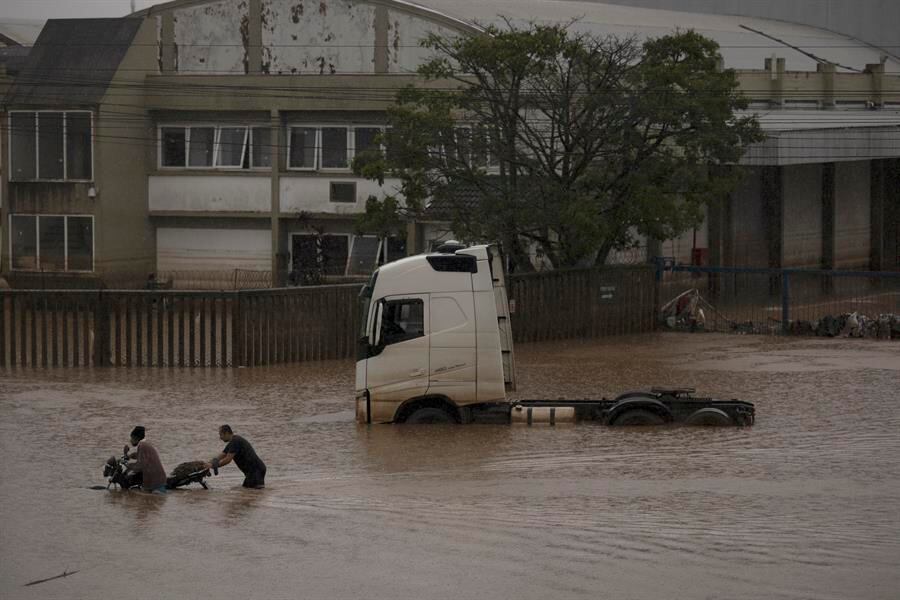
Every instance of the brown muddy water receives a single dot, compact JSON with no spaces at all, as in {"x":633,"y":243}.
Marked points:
{"x":806,"y":504}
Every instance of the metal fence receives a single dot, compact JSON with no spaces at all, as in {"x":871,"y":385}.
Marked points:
{"x":41,"y":328}
{"x":754,"y":300}
{"x":176,"y":328}
{"x":582,"y":303}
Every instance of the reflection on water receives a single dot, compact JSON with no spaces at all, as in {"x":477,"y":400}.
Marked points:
{"x":803,"y":505}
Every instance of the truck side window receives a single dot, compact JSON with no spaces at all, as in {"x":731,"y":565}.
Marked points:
{"x":402,"y":320}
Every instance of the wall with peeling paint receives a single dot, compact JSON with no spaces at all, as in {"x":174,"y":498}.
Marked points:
{"x":212,"y":38}
{"x":317,"y":37}
{"x":291,"y":37}
{"x":310,"y":194}
{"x":404,"y":34}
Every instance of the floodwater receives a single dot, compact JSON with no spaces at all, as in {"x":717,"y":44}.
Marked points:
{"x":802,"y":505}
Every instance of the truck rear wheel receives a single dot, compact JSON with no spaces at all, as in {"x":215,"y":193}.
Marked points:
{"x":709,"y":417}
{"x":638,"y":416}
{"x":430,"y":415}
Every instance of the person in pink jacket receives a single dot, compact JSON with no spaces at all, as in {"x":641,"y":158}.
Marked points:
{"x":147,"y":462}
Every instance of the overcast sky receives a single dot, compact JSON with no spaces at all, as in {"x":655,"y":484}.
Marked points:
{"x":60,"y":9}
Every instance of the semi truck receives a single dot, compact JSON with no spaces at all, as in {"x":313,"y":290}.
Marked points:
{"x":436,"y":346}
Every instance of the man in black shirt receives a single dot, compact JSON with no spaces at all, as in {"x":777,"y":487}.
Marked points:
{"x":244,"y":456}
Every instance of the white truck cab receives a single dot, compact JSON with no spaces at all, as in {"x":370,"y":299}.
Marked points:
{"x":436,"y":346}
{"x":435,"y":337}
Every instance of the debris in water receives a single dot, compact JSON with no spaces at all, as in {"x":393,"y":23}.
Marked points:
{"x":63,"y":574}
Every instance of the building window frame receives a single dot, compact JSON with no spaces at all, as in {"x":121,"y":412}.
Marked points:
{"x":333,"y":193}
{"x":247,"y":152}
{"x":294,"y":234}
{"x":318,"y":156}
{"x":37,"y":145}
{"x":37,"y":226}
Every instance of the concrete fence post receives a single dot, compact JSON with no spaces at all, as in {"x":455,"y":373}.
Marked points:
{"x":785,"y":302}
{"x":101,"y":331}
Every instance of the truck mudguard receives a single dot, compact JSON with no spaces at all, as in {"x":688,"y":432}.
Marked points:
{"x":635,"y":400}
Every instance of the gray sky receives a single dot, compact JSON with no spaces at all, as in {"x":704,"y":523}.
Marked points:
{"x":60,"y":9}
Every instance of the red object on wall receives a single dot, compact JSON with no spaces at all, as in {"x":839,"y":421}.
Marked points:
{"x":700,"y":257}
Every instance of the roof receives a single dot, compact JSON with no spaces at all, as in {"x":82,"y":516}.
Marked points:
{"x":13,"y":58}
{"x":795,"y":137}
{"x":73,"y":61}
{"x":775,"y":121}
{"x":456,"y":200}
{"x":19,"y":32}
{"x":745,"y":41}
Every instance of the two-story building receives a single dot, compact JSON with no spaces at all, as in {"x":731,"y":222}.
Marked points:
{"x":215,"y":136}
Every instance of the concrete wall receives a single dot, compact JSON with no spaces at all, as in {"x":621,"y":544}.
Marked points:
{"x":240,"y":192}
{"x":311,"y":194}
{"x":852,"y":208}
{"x":802,"y":216}
{"x":746,"y":230}
{"x":123,"y":235}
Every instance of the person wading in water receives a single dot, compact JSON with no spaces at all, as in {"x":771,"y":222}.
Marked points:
{"x":244,"y":456}
{"x":147,"y":463}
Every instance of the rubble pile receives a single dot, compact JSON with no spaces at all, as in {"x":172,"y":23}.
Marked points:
{"x":884,"y":327}
{"x":689,"y":310}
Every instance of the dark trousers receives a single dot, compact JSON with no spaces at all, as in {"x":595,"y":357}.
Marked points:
{"x":255,"y":479}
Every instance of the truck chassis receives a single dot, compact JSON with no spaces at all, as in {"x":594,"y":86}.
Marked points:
{"x":659,"y":406}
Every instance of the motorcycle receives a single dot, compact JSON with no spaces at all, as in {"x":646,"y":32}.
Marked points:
{"x":117,"y":473}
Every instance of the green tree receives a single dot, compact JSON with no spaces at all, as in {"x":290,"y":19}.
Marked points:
{"x":561,"y":140}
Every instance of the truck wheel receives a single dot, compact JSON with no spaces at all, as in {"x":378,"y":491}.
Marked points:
{"x":638,"y":416}
{"x":430,"y":415}
{"x":709,"y":417}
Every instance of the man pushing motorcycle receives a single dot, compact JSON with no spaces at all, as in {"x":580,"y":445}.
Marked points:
{"x":244,"y":456}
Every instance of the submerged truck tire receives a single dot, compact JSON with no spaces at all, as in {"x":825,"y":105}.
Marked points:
{"x":430,"y":415}
{"x":637,"y":417}
{"x":709,"y":417}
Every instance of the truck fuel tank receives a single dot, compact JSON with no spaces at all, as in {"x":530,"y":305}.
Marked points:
{"x":542,"y":415}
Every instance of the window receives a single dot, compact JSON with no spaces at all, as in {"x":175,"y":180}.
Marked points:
{"x":402,"y":320}
{"x":215,"y":146}
{"x":50,"y":145}
{"x":329,"y":147}
{"x":368,"y":252}
{"x":200,"y":146}
{"x":333,"y":252}
{"x":231,"y":146}
{"x":52,"y":243}
{"x":335,"y":153}
{"x":261,"y":142}
{"x":174,"y":147}
{"x":80,"y":243}
{"x":303,"y":148}
{"x":314,"y":256}
{"x":343,"y":191}
{"x":363,"y":255}
{"x":364,"y":139}
{"x":24,"y":242}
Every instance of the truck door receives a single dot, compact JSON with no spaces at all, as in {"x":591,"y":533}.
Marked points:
{"x":454,"y":359}
{"x":397,"y":369}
